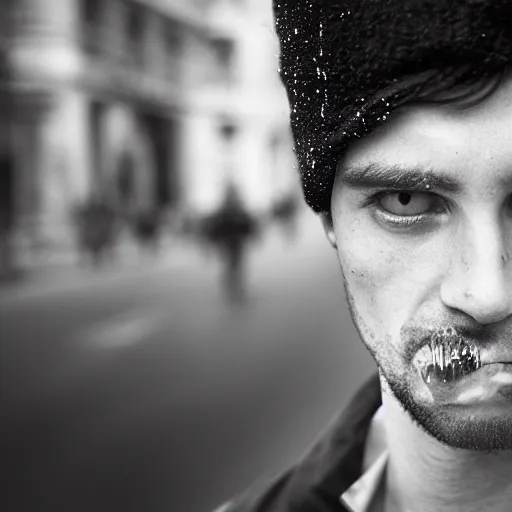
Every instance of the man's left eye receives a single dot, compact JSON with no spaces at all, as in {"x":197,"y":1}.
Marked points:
{"x":408,"y":203}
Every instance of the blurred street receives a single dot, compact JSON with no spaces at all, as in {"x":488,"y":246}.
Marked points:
{"x":141,"y":389}
{"x":165,"y":339}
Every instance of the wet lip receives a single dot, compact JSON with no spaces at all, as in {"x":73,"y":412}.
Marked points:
{"x":491,"y":383}
{"x":505,"y":364}
{"x":448,"y":355}
{"x":496,"y":366}
{"x":449,"y":376}
{"x":485,"y":372}
{"x":495,"y":355}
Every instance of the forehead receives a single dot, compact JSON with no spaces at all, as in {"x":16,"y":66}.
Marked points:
{"x":451,"y":138}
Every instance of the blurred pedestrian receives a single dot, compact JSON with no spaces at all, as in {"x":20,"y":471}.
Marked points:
{"x":229,"y":230}
{"x":285,"y":212}
{"x":147,"y":229}
{"x":95,"y":222}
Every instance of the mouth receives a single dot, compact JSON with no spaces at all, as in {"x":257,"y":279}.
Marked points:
{"x":447,"y":357}
{"x":455,"y":371}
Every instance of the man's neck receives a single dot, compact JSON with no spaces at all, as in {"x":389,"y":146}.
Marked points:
{"x":425,"y":475}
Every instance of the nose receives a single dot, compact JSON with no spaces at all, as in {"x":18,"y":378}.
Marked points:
{"x":478,"y":282}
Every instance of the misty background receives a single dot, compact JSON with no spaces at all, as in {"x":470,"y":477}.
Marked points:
{"x":173,"y":325}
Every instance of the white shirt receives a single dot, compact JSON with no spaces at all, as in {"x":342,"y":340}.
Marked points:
{"x":360,"y":496}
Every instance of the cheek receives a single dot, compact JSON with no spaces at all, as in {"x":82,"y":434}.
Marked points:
{"x":390,"y":277}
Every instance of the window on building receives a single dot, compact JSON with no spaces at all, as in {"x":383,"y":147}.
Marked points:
{"x":135,"y":32}
{"x":91,"y":17}
{"x":224,"y":51}
{"x":91,"y":11}
{"x":173,"y":48}
{"x":228,"y":130}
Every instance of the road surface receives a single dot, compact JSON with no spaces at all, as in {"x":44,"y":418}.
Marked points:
{"x":141,"y":390}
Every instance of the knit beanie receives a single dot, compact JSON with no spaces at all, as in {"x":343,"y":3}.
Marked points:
{"x":347,"y":65}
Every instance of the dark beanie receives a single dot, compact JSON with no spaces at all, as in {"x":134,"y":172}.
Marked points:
{"x":347,"y":64}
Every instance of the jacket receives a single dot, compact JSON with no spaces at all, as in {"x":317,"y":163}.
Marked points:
{"x":329,"y":468}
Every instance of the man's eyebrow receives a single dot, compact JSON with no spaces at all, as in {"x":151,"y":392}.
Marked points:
{"x":398,"y":177}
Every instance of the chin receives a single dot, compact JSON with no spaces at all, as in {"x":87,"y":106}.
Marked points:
{"x":483,"y":426}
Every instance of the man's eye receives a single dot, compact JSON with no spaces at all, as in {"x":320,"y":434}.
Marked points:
{"x":408,"y":203}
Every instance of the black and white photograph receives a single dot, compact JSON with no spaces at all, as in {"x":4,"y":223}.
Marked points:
{"x":256,"y":255}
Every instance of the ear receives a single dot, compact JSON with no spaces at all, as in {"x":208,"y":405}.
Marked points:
{"x":329,"y":228}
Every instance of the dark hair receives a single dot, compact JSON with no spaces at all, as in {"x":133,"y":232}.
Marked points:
{"x":462,"y":93}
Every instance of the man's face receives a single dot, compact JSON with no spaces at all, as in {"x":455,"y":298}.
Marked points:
{"x":422,"y":220}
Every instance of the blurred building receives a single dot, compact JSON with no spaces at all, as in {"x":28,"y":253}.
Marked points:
{"x":240,"y":113}
{"x":150,"y":103}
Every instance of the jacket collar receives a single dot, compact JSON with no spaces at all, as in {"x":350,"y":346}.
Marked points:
{"x":329,"y":468}
{"x":335,"y":461}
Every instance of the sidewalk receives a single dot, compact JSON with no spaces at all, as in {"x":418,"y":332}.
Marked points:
{"x":272,"y":261}
{"x":62,"y":271}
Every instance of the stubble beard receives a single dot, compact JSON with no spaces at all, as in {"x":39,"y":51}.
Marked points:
{"x":448,"y":424}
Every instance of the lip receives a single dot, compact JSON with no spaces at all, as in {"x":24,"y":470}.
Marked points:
{"x":491,"y":383}
{"x":446,"y":358}
{"x":494,"y":347}
{"x":448,"y":355}
{"x":487,"y":384}
{"x":498,"y":366}
{"x":496,"y":354}
{"x":459,"y":369}
{"x":497,"y":374}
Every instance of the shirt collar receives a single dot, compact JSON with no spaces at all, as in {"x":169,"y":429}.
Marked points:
{"x":360,"y":495}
